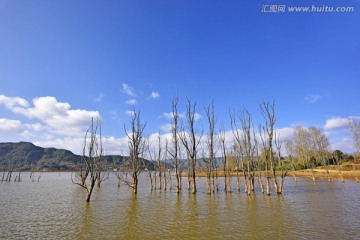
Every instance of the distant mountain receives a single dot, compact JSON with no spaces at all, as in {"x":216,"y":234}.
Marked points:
{"x":27,"y":156}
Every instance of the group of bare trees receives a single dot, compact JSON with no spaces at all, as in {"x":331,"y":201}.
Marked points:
{"x":244,"y":151}
{"x":252,"y":154}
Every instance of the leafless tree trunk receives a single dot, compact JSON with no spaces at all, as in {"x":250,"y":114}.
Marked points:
{"x":210,"y":113}
{"x":175,"y":142}
{"x":266,"y":158}
{"x":159,"y":164}
{"x":3,"y":175}
{"x":248,"y":148}
{"x":137,"y":147}
{"x":190,"y":141}
{"x":283,"y":168}
{"x":238,"y":152}
{"x":259,"y":165}
{"x":354,"y":127}
{"x":102,"y":173}
{"x":227,"y":188}
{"x":92,"y":153}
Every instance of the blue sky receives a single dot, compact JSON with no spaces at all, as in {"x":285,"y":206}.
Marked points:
{"x":63,"y":62}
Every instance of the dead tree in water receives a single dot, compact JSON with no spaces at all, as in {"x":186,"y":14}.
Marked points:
{"x":248,"y":149}
{"x":91,"y":156}
{"x":268,"y":133}
{"x":283,"y":167}
{"x":226,"y":168}
{"x":210,"y":161}
{"x":239,"y":151}
{"x":190,"y":141}
{"x":175,"y":143}
{"x":137,"y":147}
{"x":102,"y":173}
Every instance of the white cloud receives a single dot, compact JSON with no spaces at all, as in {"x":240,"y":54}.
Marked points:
{"x":11,"y":102}
{"x":345,"y":145}
{"x":99,"y":98}
{"x":131,"y":102}
{"x":285,"y":133}
{"x":128,"y":90}
{"x":312,"y":98}
{"x":56,"y":117}
{"x":8,"y":126}
{"x":154,"y":95}
{"x":337,"y":123}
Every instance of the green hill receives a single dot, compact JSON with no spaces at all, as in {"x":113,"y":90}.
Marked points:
{"x":27,"y":156}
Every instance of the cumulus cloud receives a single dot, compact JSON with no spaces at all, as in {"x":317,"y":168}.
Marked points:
{"x":55,"y":117}
{"x":336,"y":123}
{"x":127,"y":89}
{"x":154,"y":95}
{"x":11,"y":102}
{"x":285,"y":133}
{"x":8,"y":126}
{"x":312,"y":98}
{"x":131,"y":102}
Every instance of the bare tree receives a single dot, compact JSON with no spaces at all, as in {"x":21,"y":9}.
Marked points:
{"x":92,"y":155}
{"x":175,"y":143}
{"x":258,"y":162}
{"x":159,"y":163}
{"x":226,"y":169}
{"x":155,"y":157}
{"x":210,"y":161}
{"x":137,"y":147}
{"x":248,"y":149}
{"x":102,"y":174}
{"x":238,"y":151}
{"x":282,"y":165}
{"x":354,"y":127}
{"x":265,"y":157}
{"x":190,"y":141}
{"x":268,"y":112}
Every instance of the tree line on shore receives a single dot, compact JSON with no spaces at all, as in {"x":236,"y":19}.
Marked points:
{"x":253,"y":152}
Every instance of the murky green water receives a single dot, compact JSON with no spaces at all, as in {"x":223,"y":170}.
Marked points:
{"x":54,"y":208}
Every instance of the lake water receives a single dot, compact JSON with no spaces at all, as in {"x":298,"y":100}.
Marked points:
{"x":55,"y":208}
